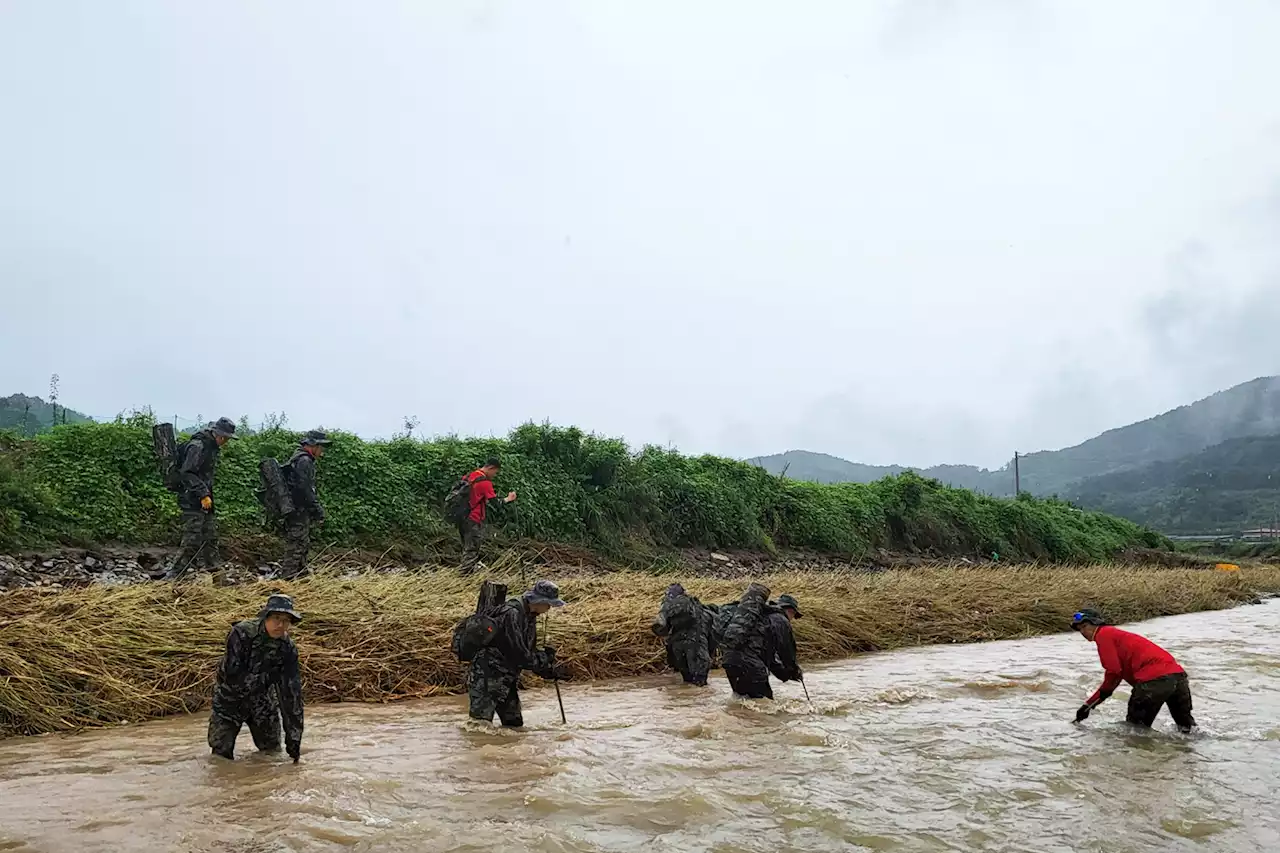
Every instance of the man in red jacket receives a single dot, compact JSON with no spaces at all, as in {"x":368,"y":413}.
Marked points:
{"x":471,"y":529}
{"x":1155,"y":676}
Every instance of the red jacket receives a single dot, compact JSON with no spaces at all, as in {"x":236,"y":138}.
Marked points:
{"x":481,"y":493}
{"x":1128,"y":657}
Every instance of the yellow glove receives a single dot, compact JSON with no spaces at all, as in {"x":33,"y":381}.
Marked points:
{"x":206,"y":503}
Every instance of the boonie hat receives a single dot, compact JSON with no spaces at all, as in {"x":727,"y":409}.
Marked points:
{"x":224,"y":427}
{"x":544,"y":592}
{"x":280,"y":604}
{"x":785,"y":601}
{"x":316,"y":437}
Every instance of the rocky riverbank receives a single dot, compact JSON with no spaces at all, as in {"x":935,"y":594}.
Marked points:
{"x":121,"y":566}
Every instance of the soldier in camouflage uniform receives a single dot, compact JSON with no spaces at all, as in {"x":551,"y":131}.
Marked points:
{"x":684,"y":622}
{"x":259,"y":683}
{"x":199,"y":526}
{"x":494,"y":682}
{"x":780,"y":651}
{"x":307,"y":509}
{"x":746,"y":645}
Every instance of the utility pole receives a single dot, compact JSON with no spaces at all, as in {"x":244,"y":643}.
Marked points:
{"x":1017,"y":478}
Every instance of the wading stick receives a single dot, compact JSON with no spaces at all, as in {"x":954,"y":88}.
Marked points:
{"x":546,"y":630}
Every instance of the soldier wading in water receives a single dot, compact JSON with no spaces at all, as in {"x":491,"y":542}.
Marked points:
{"x":686,"y":624}
{"x":494,"y":682}
{"x":757,"y":639}
{"x":259,"y":684}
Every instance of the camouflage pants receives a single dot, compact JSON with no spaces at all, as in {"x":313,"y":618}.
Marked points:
{"x":297,"y":543}
{"x":261,"y":712}
{"x":472,"y":535}
{"x":491,"y":690}
{"x":199,"y":541}
{"x":689,"y":657}
{"x":748,"y":676}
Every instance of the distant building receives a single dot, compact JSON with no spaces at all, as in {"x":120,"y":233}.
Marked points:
{"x":1261,"y":533}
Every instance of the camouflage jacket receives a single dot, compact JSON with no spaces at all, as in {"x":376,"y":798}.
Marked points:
{"x":302,"y":484}
{"x":197,"y":467}
{"x":780,"y":647}
{"x":513,"y":647}
{"x":252,"y":665}
{"x":682,"y":618}
{"x":745,"y":634}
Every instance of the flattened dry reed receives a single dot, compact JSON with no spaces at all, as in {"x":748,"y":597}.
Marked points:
{"x":100,"y":656}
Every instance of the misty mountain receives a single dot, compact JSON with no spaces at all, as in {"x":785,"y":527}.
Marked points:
{"x":1229,"y":487}
{"x":824,"y":468}
{"x":30,"y":415}
{"x":1250,"y":409}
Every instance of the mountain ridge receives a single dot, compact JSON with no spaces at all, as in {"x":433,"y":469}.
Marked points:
{"x":1249,"y":409}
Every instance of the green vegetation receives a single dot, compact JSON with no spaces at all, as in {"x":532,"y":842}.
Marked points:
{"x":98,"y":482}
{"x":1230,"y":487}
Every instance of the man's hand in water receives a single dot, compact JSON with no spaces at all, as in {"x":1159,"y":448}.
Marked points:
{"x":1083,"y":713}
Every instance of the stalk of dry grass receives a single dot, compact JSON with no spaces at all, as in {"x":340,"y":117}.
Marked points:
{"x":99,"y":656}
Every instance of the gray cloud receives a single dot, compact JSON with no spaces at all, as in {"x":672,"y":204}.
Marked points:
{"x":896,"y":232}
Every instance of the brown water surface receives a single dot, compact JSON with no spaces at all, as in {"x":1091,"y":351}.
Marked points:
{"x":943,"y":748}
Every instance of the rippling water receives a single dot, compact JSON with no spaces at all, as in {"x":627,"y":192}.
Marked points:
{"x":944,"y":748}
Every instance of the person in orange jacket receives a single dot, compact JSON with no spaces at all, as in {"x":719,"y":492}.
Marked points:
{"x":1156,"y":677}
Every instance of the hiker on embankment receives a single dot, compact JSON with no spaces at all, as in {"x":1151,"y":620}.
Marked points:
{"x":195,"y":498}
{"x":493,"y":684}
{"x":467,"y":504}
{"x":307,"y":509}
{"x":258,"y":683}
{"x":683,"y":621}
{"x":1156,"y":677}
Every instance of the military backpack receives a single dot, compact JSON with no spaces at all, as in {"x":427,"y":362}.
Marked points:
{"x":723,"y":616}
{"x":273,"y":490}
{"x":478,"y":630}
{"x":473,"y":634}
{"x":457,"y":504}
{"x":169,"y":455}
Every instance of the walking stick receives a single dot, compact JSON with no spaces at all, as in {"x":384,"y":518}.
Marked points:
{"x":806,"y":690}
{"x":556,"y":681}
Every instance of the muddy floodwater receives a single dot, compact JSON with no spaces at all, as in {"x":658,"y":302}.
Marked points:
{"x":944,"y":748}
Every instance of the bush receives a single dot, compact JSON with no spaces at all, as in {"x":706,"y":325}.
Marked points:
{"x":100,"y":482}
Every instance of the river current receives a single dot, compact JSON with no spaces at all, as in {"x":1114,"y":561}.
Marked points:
{"x":965,"y":747}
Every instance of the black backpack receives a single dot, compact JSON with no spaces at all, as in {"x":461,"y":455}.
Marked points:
{"x":473,"y":634}
{"x":274,"y":492}
{"x":457,"y":504}
{"x":169,"y":455}
{"x":478,"y":630}
{"x":723,"y":616}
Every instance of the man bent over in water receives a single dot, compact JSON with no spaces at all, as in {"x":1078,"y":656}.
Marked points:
{"x":1156,"y":677}
{"x":258,"y":683}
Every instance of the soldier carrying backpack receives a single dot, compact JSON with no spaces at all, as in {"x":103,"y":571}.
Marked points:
{"x":465,"y":506}
{"x":683,"y":621}
{"x":189,"y":473}
{"x":300,"y":474}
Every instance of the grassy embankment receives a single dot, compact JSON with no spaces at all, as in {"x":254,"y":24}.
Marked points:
{"x":96,"y":483}
{"x":99,"y":656}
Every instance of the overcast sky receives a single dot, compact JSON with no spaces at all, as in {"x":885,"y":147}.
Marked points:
{"x":910,"y":232}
